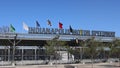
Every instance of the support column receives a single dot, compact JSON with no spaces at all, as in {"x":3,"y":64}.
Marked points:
{"x":9,"y":54}
{"x":35,"y":54}
{"x":22,"y":53}
{"x":13,"y":55}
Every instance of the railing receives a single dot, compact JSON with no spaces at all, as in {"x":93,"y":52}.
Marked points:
{"x":24,"y":36}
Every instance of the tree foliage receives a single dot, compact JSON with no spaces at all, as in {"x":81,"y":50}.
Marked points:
{"x":52,"y":46}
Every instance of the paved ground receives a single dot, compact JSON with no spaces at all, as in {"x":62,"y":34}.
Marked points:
{"x":97,"y":65}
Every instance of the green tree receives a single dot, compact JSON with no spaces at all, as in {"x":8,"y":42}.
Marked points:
{"x":82,"y":45}
{"x":115,"y":49}
{"x":92,"y":45}
{"x":101,"y":50}
{"x":52,"y":46}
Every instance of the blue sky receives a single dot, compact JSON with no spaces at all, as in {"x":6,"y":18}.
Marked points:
{"x":103,"y":15}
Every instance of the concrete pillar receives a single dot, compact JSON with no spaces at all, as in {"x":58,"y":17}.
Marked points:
{"x":35,"y":54}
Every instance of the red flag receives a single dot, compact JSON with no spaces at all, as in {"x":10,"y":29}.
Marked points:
{"x":60,"y":25}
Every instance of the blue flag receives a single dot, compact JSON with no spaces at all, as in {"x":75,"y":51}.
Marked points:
{"x":37,"y":24}
{"x":71,"y":30}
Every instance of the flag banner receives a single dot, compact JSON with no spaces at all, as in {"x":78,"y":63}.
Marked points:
{"x":37,"y":24}
{"x":71,"y":30}
{"x":60,"y":25}
{"x":12,"y":29}
{"x":49,"y":22}
{"x":25,"y":27}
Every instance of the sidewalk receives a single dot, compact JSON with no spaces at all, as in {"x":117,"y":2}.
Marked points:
{"x":96,"y":65}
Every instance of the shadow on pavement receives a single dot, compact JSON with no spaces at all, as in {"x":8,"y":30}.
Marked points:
{"x":109,"y":66}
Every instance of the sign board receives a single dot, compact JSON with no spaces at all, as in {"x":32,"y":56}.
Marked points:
{"x":34,"y":30}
